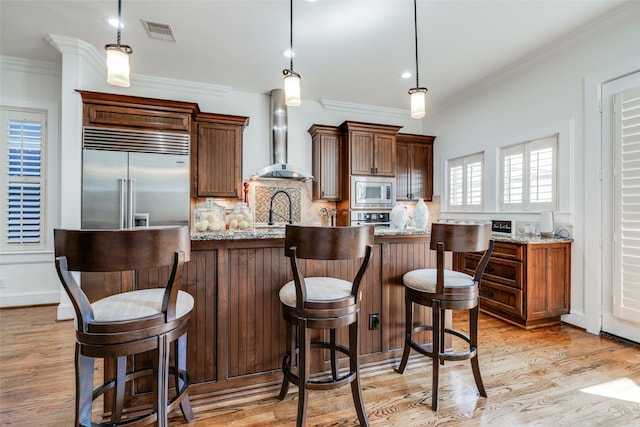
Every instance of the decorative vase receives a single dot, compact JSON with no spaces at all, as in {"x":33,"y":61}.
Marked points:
{"x":399,"y":216}
{"x":421,"y":214}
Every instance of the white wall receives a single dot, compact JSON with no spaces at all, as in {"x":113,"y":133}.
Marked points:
{"x":544,"y":95}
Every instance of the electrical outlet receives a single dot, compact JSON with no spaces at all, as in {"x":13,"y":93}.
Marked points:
{"x":374,"y":321}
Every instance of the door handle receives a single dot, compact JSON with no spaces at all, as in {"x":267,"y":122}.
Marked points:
{"x":123,"y":202}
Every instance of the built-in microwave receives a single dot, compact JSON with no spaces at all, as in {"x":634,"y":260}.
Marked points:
{"x":372,"y":192}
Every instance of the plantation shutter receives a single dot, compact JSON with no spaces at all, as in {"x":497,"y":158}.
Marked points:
{"x":456,"y":183}
{"x":474,"y":181}
{"x":626,"y":259}
{"x":23,"y":179}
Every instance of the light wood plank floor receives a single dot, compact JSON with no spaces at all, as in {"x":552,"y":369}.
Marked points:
{"x":555,"y":376}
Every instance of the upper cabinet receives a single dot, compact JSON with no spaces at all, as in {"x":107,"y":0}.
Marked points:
{"x":326,"y":162}
{"x":370,"y":149}
{"x":218,"y":155}
{"x":414,"y":167}
{"x":134,"y":112}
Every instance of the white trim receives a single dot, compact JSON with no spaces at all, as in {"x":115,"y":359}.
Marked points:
{"x":21,"y":299}
{"x":351,"y":107}
{"x":592,"y":229}
{"x":21,"y":65}
{"x":65,"y":312}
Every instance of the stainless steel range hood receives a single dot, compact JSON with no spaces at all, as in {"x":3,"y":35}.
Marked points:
{"x":280,"y":169}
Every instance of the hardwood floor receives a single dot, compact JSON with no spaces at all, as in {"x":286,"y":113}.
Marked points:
{"x":553,"y":376}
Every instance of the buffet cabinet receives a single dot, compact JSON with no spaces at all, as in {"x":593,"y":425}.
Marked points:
{"x":526,"y":284}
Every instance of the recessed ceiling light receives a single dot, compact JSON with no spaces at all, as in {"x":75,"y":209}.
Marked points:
{"x":288,"y":53}
{"x":114,"y":22}
{"x":405,"y":75}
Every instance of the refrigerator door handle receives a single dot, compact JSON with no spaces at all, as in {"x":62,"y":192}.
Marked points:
{"x":130,"y":205}
{"x":123,"y":203}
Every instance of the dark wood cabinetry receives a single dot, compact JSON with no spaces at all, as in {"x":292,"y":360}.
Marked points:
{"x":370,"y":149}
{"x":134,"y":112}
{"x":326,"y":164}
{"x":525,"y":284}
{"x":414,"y":167}
{"x":218,"y":155}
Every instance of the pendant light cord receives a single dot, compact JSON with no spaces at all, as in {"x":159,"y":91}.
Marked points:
{"x":415,"y":26}
{"x":291,"y":32}
{"x":119,"y":22}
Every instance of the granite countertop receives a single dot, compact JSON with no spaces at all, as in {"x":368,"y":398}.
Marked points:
{"x":278,"y":233}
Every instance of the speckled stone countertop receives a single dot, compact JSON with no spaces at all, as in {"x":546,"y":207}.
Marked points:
{"x":278,"y":233}
{"x":529,"y":239}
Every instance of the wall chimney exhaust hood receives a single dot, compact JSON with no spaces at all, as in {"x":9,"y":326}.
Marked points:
{"x":280,"y":169}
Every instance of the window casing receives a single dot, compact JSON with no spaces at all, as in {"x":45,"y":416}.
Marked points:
{"x":465,"y":181}
{"x":528,"y":175}
{"x":23,"y":148}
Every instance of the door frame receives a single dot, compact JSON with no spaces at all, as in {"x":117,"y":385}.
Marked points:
{"x":591,"y":316}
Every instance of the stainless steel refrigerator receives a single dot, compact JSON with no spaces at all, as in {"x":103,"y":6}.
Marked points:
{"x":131,"y":179}
{"x":139,"y":180}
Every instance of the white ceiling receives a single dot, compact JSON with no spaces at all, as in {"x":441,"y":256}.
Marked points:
{"x":347,"y":50}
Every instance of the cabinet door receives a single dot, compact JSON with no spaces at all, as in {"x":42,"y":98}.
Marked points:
{"x":548,"y":280}
{"x":421,"y":171}
{"x":219,"y":160}
{"x":403,"y":172}
{"x":361,"y":153}
{"x":326,"y":167}
{"x":384,"y":156}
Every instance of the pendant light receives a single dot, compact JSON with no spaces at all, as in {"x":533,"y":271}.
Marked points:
{"x":418,"y":94}
{"x":291,"y":78}
{"x":118,"y":58}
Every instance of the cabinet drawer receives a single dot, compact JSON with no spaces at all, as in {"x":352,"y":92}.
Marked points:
{"x":500,"y":297}
{"x":503,"y":271}
{"x":509,"y":250}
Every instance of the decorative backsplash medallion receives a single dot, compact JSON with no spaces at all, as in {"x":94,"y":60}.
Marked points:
{"x":263,"y":196}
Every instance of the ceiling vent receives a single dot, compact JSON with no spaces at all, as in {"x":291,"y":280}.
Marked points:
{"x":157,"y":30}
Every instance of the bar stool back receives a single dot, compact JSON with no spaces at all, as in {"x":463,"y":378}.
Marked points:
{"x":326,"y":303}
{"x":128,"y":323}
{"x":443,"y":289}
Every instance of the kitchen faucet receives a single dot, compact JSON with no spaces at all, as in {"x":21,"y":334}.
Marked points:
{"x":271,"y":207}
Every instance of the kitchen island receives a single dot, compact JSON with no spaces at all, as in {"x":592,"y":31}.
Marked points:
{"x":237,"y":335}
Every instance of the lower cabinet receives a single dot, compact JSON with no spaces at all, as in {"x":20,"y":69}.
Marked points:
{"x":527,"y":284}
{"x":237,"y":336}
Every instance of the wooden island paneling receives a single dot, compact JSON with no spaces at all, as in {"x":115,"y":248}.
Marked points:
{"x":237,"y":335}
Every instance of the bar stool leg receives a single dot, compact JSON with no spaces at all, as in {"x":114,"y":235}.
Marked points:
{"x":334,"y":354}
{"x":473,"y":343}
{"x":180,"y":351}
{"x":354,"y":366}
{"x":408,"y":332}
{"x":118,"y":393}
{"x":289,"y":360}
{"x":84,"y":387}
{"x":437,"y":324}
{"x":304,"y":362}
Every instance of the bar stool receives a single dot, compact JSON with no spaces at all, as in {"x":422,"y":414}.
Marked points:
{"x":128,"y":323}
{"x":325,"y":303}
{"x":442,"y":290}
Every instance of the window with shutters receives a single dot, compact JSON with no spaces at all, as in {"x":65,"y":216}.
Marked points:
{"x":528,"y":178}
{"x":23,"y":179}
{"x":465,"y":183}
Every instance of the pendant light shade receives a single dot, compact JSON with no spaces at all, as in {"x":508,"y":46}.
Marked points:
{"x":418,"y":102}
{"x":291,"y":78}
{"x":118,"y":57}
{"x":418,"y":95}
{"x":118,"y":65}
{"x":292,"y":88}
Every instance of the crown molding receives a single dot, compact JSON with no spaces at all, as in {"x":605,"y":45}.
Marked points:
{"x":74,"y":46}
{"x":22,"y":65}
{"x":351,"y":107}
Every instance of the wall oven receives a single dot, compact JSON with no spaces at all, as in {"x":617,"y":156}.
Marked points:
{"x":370,"y":192}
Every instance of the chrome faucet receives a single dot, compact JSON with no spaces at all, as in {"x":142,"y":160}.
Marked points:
{"x":271,"y":207}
